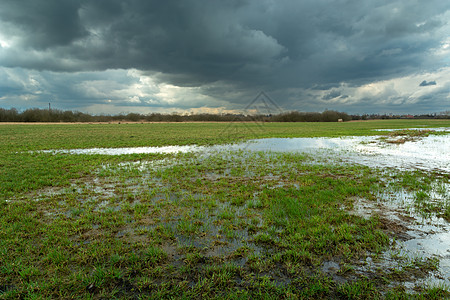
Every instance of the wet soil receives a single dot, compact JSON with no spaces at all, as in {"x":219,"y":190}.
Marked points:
{"x":419,"y":241}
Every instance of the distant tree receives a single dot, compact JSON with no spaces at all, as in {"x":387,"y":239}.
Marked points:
{"x":55,"y":115}
{"x":133,"y":117}
{"x":330,"y":116}
{"x":9,"y":115}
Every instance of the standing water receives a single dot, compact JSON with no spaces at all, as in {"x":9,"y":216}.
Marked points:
{"x":427,"y":237}
{"x":430,"y":153}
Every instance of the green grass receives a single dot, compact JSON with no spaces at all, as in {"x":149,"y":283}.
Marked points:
{"x":21,"y":137}
{"x":233,"y":225}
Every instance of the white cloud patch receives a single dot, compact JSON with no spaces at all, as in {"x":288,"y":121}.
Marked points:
{"x":134,"y":99}
{"x":389,"y":94}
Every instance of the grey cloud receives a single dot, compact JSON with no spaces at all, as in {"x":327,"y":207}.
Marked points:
{"x":68,"y":90}
{"x":240,"y":45}
{"x":324,"y":87}
{"x":427,"y":83}
{"x":43,"y":24}
{"x":332,"y":95}
{"x":217,"y":40}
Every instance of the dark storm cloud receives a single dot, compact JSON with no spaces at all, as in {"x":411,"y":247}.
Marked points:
{"x":43,"y":24}
{"x":427,"y":83}
{"x":229,"y":40}
{"x":244,"y":45}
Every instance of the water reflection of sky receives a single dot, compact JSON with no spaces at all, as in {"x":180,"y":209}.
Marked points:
{"x":131,"y":150}
{"x":425,"y":153}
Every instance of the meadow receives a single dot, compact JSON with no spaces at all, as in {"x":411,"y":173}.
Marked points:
{"x":229,"y":225}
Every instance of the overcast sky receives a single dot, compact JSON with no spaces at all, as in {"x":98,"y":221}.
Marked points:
{"x":190,"y":56}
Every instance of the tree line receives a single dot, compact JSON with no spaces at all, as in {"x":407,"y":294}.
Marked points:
{"x":56,"y":115}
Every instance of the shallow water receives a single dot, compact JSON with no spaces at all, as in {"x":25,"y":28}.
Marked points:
{"x":426,"y":153}
{"x":129,"y":150}
{"x":426,"y":237}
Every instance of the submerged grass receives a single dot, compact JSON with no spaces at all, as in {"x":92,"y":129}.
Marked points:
{"x":406,"y":135}
{"x":22,"y":137}
{"x":224,"y":225}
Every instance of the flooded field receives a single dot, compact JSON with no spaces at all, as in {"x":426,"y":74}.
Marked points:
{"x":422,"y":236}
{"x":428,"y":153}
{"x":352,"y":217}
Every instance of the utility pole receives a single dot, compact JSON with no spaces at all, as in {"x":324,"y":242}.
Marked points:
{"x":49,"y":107}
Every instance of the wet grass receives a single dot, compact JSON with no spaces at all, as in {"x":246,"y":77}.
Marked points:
{"x":224,"y":225}
{"x":406,"y":135}
{"x":424,"y":193}
{"x":20,"y":137}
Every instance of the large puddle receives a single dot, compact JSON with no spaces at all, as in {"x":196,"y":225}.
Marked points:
{"x":429,"y":153}
{"x":130,"y":150}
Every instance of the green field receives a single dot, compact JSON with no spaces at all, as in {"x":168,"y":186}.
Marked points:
{"x":235,"y":225}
